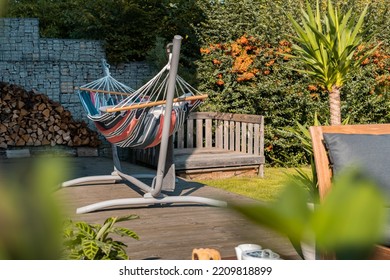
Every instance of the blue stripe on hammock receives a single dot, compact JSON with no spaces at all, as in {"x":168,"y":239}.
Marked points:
{"x":86,"y":101}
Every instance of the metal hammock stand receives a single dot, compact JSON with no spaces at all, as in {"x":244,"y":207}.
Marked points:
{"x":164,"y":180}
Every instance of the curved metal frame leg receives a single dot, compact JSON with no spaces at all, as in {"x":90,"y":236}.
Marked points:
{"x":101,"y":179}
{"x":149,"y":200}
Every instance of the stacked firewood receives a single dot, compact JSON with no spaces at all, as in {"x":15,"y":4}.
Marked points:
{"x":28,"y":118}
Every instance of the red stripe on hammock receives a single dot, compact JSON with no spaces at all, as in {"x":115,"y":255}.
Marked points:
{"x":125,"y":134}
{"x":115,"y":127}
{"x":159,"y":133}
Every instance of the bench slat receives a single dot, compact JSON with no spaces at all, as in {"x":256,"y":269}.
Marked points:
{"x":250,"y":138}
{"x":231,"y":135}
{"x":180,"y":139}
{"x":190,"y":133}
{"x":219,"y":134}
{"x":225,"y":135}
{"x":256,"y":139}
{"x":243,"y":137}
{"x":199,"y":133}
{"x":208,"y":134}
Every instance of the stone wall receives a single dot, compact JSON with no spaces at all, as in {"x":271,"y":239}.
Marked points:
{"x":56,"y":66}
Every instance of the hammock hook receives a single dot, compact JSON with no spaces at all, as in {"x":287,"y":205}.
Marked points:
{"x":106,"y":67}
{"x":169,"y":54}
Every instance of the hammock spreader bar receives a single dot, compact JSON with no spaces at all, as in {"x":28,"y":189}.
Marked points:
{"x":152,"y":104}
{"x":104,"y":91}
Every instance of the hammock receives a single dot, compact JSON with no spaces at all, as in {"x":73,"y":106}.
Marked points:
{"x":129,"y":118}
{"x":135,"y":118}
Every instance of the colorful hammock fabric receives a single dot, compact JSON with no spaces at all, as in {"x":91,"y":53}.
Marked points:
{"x":129,"y":118}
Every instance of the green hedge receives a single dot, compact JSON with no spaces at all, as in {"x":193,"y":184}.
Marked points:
{"x":244,"y":70}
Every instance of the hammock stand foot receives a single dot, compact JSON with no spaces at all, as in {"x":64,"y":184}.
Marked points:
{"x":150,"y":201}
{"x":101,"y":179}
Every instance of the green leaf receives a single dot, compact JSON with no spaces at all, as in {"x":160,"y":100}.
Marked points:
{"x":127,"y":218}
{"x":121,"y":255}
{"x":104,"y":230}
{"x":126,"y":232}
{"x":359,"y":24}
{"x":75,"y":255}
{"x":86,"y":229}
{"x":110,"y":221}
{"x":104,"y":246}
{"x":118,"y":244}
{"x":90,"y":248}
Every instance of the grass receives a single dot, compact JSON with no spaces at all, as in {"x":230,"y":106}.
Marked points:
{"x":265,"y":189}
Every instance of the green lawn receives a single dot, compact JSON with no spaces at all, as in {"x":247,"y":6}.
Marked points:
{"x":265,"y":189}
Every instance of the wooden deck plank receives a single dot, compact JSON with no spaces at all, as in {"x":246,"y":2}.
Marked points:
{"x":169,"y":232}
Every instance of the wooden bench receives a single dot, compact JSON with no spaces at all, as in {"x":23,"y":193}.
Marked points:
{"x":215,"y":142}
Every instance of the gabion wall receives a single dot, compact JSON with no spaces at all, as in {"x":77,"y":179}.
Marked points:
{"x":56,"y":66}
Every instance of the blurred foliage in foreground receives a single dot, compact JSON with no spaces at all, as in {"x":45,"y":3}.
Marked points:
{"x":30,"y":217}
{"x":348,"y":223}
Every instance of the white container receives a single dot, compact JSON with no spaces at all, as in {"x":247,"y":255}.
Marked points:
{"x":265,"y":254}
{"x":240,"y":249}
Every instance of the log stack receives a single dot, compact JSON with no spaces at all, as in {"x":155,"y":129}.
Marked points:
{"x":28,"y":118}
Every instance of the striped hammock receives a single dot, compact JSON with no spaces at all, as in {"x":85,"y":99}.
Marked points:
{"x":134,"y":118}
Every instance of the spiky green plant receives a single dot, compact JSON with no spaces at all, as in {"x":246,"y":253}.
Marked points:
{"x":327,"y":47}
{"x":92,"y":242}
{"x":302,"y":133}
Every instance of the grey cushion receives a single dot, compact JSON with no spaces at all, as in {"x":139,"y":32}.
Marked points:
{"x":371,"y":153}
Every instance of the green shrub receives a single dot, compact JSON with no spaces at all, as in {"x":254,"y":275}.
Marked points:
{"x":127,"y":28}
{"x":244,"y":70}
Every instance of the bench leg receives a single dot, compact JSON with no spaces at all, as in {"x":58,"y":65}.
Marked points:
{"x":261,"y":171}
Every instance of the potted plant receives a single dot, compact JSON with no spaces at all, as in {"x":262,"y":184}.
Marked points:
{"x":94,"y":242}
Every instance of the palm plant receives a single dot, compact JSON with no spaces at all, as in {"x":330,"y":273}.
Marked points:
{"x":327,"y":48}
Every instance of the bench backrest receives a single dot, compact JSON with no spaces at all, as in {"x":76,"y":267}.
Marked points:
{"x":321,"y":159}
{"x":236,"y":132}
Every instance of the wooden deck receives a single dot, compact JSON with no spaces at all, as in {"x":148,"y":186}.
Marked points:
{"x":170,"y":232}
